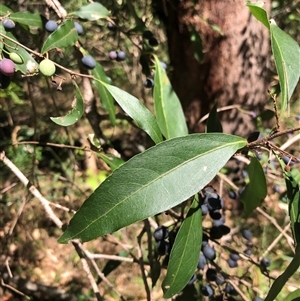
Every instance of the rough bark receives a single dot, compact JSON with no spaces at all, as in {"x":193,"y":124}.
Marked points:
{"x":234,"y":65}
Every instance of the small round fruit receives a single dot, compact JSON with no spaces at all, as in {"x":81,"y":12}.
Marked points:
{"x":4,"y":81}
{"x":207,"y":290}
{"x":148,"y":83}
{"x":234,"y":256}
{"x":147,"y":34}
{"x":47,"y":67}
{"x":248,"y":252}
{"x":153,"y":42}
{"x":232,"y":263}
{"x":8,"y":24}
{"x":163,"y":247}
{"x":88,"y":62}
{"x":216,"y":232}
{"x":16,"y":58}
{"x":211,"y":274}
{"x":220,"y":279}
{"x":7,"y":67}
{"x":113,"y":55}
{"x":51,"y":26}
{"x":201,"y":262}
{"x":265,"y":262}
{"x":192,"y":280}
{"x":209,"y":252}
{"x":247,"y":234}
{"x":111,"y":26}
{"x":121,"y":56}
{"x":160,"y":233}
{"x":229,"y":289}
{"x":78,"y":28}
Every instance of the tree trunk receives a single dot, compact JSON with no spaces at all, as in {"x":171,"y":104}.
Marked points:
{"x":233,"y":68}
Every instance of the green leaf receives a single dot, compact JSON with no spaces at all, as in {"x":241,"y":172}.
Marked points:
{"x":185,"y":252}
{"x":105,"y":97}
{"x":154,"y":181}
{"x":29,"y":65}
{"x":93,"y":11}
{"x":4,"y":10}
{"x":213,"y":124}
{"x":294,"y":296}
{"x":293,"y":195}
{"x":65,"y":35}
{"x":168,"y":108}
{"x":256,"y":190}
{"x":112,"y":161}
{"x":75,"y":114}
{"x":286,"y":53}
{"x":279,"y":283}
{"x":27,"y":18}
{"x":259,"y":13}
{"x":137,"y":111}
{"x":198,"y":45}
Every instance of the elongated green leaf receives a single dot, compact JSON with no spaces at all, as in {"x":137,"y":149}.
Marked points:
{"x":259,"y":13}
{"x":286,"y":53}
{"x":105,"y":97}
{"x":27,"y":18}
{"x":279,"y":283}
{"x":213,"y":124}
{"x":112,"y":161}
{"x":197,"y":42}
{"x":151,"y":182}
{"x":185,"y":252}
{"x":294,"y":296}
{"x":137,"y":111}
{"x":293,"y":195}
{"x":256,"y":190}
{"x":93,"y":11}
{"x":29,"y":64}
{"x":75,"y":114}
{"x":168,"y":109}
{"x":65,"y":35}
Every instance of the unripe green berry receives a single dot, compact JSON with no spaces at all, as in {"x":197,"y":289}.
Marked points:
{"x":16,"y":58}
{"x":47,"y":67}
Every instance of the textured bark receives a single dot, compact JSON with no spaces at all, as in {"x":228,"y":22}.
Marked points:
{"x":234,"y":67}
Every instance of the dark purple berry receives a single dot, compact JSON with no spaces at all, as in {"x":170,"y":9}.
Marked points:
{"x":207,"y":290}
{"x":297,"y":117}
{"x":248,"y":252}
{"x":88,"y":62}
{"x":265,"y":262}
{"x":153,"y":42}
{"x":211,"y":275}
{"x":247,"y":234}
{"x":110,"y":26}
{"x":113,"y":55}
{"x":4,"y":81}
{"x":209,"y":252}
{"x":147,"y":34}
{"x":192,"y":280}
{"x":121,"y":56}
{"x":51,"y":26}
{"x":225,"y":229}
{"x":216,"y":232}
{"x":79,"y":28}
{"x":7,"y":67}
{"x":164,"y":65}
{"x":8,"y":24}
{"x":204,"y":209}
{"x":163,"y":247}
{"x":214,"y":203}
{"x":229,"y":289}
{"x":234,"y":256}
{"x":232,"y":263}
{"x":215,"y":214}
{"x":149,"y":83}
{"x":220,"y":279}
{"x":219,"y":222}
{"x":161,"y":233}
{"x":201,"y":262}
{"x":232,"y":194}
